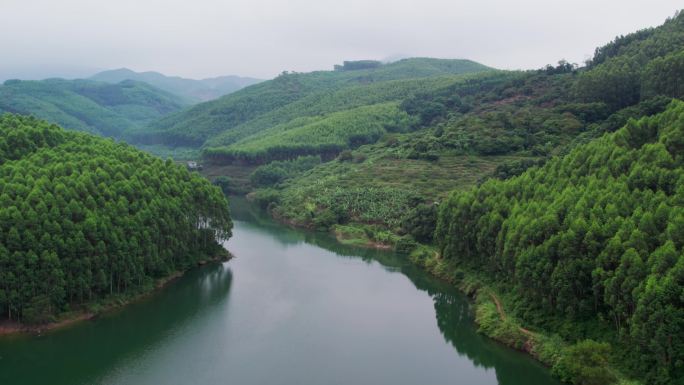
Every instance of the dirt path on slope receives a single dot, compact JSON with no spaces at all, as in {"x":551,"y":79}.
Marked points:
{"x":502,"y":314}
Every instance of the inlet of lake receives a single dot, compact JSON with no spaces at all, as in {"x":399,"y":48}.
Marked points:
{"x":292,"y":308}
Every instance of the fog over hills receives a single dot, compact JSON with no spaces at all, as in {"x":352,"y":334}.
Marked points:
{"x":190,"y":89}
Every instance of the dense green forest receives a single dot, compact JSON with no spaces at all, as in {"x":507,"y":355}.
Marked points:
{"x":469,"y":128}
{"x":324,"y":135}
{"x":191,"y":90}
{"x":82,"y":218}
{"x":575,"y":211}
{"x":562,"y":187}
{"x":219,"y":123}
{"x":84,"y":105}
{"x":596,"y":235}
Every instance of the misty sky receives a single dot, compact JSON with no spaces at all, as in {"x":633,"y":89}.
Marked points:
{"x":260,"y":38}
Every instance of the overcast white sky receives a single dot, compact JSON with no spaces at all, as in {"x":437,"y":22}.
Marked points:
{"x":260,"y":38}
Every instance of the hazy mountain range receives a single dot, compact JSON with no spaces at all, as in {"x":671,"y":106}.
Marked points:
{"x":87,"y":105}
{"x":190,"y":89}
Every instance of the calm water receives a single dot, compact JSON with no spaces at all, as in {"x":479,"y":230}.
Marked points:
{"x":292,"y":308}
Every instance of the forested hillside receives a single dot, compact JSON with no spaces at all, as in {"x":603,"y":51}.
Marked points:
{"x":219,"y":123}
{"x":84,"y":105}
{"x":470,"y":128}
{"x":82,"y":218}
{"x":595,"y":235}
{"x":559,"y":190}
{"x":191,"y":90}
{"x":324,"y":135}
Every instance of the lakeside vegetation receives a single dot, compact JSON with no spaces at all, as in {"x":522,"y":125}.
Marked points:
{"x":585,"y":362}
{"x":558,"y":187}
{"x":85,"y":218}
{"x":556,"y":193}
{"x":591,"y":243}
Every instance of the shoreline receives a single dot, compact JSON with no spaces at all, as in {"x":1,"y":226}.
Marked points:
{"x":12,"y":328}
{"x":344,"y":238}
{"x":490,"y":316}
{"x":348,"y":239}
{"x":492,"y":319}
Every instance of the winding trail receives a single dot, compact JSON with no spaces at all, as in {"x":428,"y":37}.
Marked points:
{"x":502,"y":314}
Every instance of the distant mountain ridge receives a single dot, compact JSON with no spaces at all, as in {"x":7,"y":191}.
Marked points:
{"x":192,"y":90}
{"x":293,"y":97}
{"x":90,"y":106}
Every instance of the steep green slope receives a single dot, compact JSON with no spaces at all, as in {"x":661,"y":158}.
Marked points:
{"x":497,"y":128}
{"x":625,"y":70}
{"x":470,"y":128}
{"x":325,"y":135}
{"x":83,"y":105}
{"x":205,"y":121}
{"x":328,"y":102}
{"x":83,"y":218}
{"x":645,"y":44}
{"x":594,"y":238}
{"x":191,"y":90}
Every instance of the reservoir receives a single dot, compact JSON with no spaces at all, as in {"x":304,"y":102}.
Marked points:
{"x":292,"y":308}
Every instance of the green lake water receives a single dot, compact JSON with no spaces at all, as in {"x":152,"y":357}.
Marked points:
{"x":293,"y":308}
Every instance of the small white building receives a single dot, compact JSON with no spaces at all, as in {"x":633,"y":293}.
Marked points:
{"x":192,"y":166}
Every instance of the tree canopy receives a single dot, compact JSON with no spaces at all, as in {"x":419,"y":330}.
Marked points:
{"x":83,"y":217}
{"x":595,"y":235}
{"x":89,"y":106}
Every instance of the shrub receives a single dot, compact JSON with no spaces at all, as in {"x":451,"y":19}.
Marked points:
{"x":265,"y":197}
{"x":405,"y":245}
{"x":276,"y":172}
{"x":345,"y":156}
{"x":360,"y":158}
{"x":224,"y":183}
{"x":421,"y":222}
{"x":585,"y":363}
{"x":325,"y":219}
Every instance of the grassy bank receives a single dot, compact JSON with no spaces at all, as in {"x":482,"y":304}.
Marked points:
{"x":582,"y":362}
{"x":365,"y":236}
